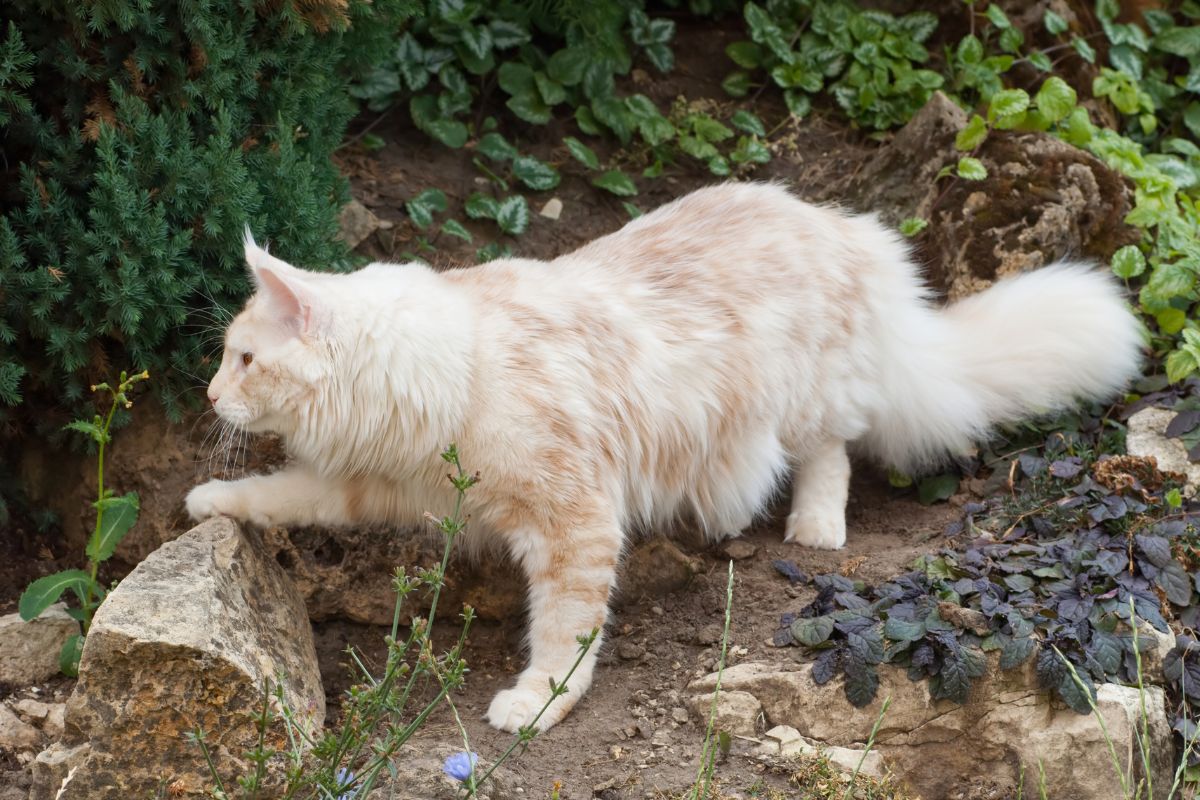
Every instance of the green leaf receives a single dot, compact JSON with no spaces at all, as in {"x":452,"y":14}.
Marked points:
{"x":616,"y":182}
{"x":68,"y":655}
{"x":765,"y":31}
{"x":633,"y":211}
{"x":530,"y":107}
{"x":900,"y":630}
{"x":719,"y":165}
{"x":582,"y":153}
{"x":936,"y":487}
{"x":1183,"y":42}
{"x":422,"y":207}
{"x":453,"y":227}
{"x":477,"y":40}
{"x":745,"y":121}
{"x":750,"y":151}
{"x":516,"y":78}
{"x":895,"y":477}
{"x":534,"y":173}
{"x":119,"y":515}
{"x":45,"y":592}
{"x":798,"y":103}
{"x":812,"y":631}
{"x":911,"y":227}
{"x":971,"y":169}
{"x":550,"y":90}
{"x":1180,"y":365}
{"x":480,"y":206}
{"x":1128,"y":262}
{"x":1056,"y":99}
{"x":496,"y":147}
{"x":736,"y":84}
{"x":1171,"y":320}
{"x":93,"y":430}
{"x":1085,"y":50}
{"x":506,"y":34}
{"x":1079,"y":698}
{"x":1007,"y":107}
{"x":970,"y":49}
{"x":746,"y":55}
{"x":997,"y":17}
{"x":972,"y":135}
{"x":710,"y":130}
{"x":513,"y":215}
{"x":1053,"y":23}
{"x":568,"y":65}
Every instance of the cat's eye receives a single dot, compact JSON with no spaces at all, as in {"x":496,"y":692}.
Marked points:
{"x":247,"y":358}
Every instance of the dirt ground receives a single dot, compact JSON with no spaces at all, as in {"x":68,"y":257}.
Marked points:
{"x":632,"y":736}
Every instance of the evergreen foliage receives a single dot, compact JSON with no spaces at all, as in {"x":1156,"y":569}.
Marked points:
{"x":137,"y":138}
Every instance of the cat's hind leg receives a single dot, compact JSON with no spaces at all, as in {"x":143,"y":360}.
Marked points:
{"x":820,"y":489}
{"x":571,"y":571}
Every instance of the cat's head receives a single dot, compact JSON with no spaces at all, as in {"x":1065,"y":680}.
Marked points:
{"x":277,"y":350}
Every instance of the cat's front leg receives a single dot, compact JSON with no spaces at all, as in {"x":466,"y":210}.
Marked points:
{"x":570,"y":575}
{"x":293,"y":496}
{"x":820,"y":490}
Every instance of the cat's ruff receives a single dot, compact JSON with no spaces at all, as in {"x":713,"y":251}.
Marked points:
{"x":682,"y":366}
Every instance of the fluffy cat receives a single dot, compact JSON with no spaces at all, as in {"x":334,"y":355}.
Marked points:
{"x":682,"y":366}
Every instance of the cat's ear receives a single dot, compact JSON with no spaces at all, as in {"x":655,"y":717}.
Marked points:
{"x":291,"y":302}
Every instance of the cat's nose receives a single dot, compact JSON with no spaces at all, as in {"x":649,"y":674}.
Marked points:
{"x":212,"y":397}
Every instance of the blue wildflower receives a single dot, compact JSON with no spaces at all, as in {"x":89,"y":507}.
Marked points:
{"x":460,"y":765}
{"x":345,"y":780}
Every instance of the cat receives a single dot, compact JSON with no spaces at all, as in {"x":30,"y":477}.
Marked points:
{"x":682,"y":366}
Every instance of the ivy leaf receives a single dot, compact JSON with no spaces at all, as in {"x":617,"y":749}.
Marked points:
{"x":909,"y":227}
{"x":1085,"y":50}
{"x":119,"y":513}
{"x":997,"y":17}
{"x":616,"y":182}
{"x":512,"y":215}
{"x":812,"y":631}
{"x":1054,"y":23}
{"x":1128,"y":262}
{"x":971,"y":169}
{"x":534,"y":173}
{"x":972,"y":135}
{"x":582,"y":153}
{"x":736,"y":84}
{"x":453,"y":227}
{"x":750,"y":151}
{"x":422,"y":207}
{"x":45,"y":592}
{"x":1008,"y":107}
{"x":568,"y":65}
{"x":746,"y":55}
{"x":745,"y":121}
{"x":506,"y":34}
{"x":1179,"y":41}
{"x":480,"y":206}
{"x":1056,"y":99}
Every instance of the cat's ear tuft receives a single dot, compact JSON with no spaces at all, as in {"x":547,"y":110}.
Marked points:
{"x":257,"y":259}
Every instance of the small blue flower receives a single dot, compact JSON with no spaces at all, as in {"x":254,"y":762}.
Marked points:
{"x":345,"y":779}
{"x":460,"y":765}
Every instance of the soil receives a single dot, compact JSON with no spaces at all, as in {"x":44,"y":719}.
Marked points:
{"x":631,"y":736}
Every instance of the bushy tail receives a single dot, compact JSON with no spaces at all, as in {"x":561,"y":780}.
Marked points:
{"x":1028,"y":345}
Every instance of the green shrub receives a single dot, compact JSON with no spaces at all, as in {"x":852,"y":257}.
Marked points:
{"x":139,"y":137}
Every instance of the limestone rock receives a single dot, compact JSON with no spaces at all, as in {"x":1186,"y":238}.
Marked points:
{"x":737,"y":711}
{"x":29,"y":650}
{"x":52,"y":767}
{"x":16,"y":734}
{"x":1006,"y":723}
{"x":1043,"y":200}
{"x":786,"y":741}
{"x":1145,"y":438}
{"x":188,"y":639}
{"x":356,"y":222}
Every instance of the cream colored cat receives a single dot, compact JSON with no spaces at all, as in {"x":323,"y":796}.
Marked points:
{"x":682,"y":366}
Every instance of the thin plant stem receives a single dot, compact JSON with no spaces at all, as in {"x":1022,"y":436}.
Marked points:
{"x":867,"y":750}
{"x":708,"y":755}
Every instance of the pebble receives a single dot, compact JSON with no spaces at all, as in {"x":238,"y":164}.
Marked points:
{"x":644,"y":728}
{"x":630,"y":650}
{"x":552,"y":209}
{"x":738,"y":549}
{"x":32,"y":709}
{"x":16,"y":734}
{"x":680,"y":715}
{"x":709,"y":634}
{"x":656,"y":611}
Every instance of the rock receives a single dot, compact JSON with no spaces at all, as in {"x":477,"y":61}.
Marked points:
{"x":552,"y":209}
{"x":737,"y":711}
{"x":1006,"y":723}
{"x":356,"y":223}
{"x":188,"y":639}
{"x":709,"y":634}
{"x":52,"y":767}
{"x":55,"y":722}
{"x":31,"y":709}
{"x":786,"y":741}
{"x":738,"y":549}
{"x":29,"y":650}
{"x":630,"y":651}
{"x":1146,"y":438}
{"x":655,"y":568}
{"x":16,"y":734}
{"x":1043,"y":200}
{"x":680,"y":715}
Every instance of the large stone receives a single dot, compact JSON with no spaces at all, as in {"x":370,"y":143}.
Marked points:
{"x":356,"y":223}
{"x":188,"y":640}
{"x":1146,"y":437}
{"x":1006,"y":725}
{"x":737,"y":712}
{"x":1043,"y":200}
{"x":15,"y":733}
{"x":29,"y":650}
{"x":53,"y":766}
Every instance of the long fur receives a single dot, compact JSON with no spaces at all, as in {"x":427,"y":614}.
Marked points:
{"x":680,"y":367}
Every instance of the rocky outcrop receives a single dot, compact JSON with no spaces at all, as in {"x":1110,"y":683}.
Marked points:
{"x":189,"y":639}
{"x":1043,"y":200}
{"x":29,"y":650}
{"x":1006,"y":725}
{"x":1147,"y":437}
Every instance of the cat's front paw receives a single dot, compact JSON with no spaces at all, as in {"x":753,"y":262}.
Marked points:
{"x":212,"y":499}
{"x":823,"y":531}
{"x":516,"y":708}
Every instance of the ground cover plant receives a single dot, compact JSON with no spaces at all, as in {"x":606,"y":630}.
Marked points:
{"x":1065,"y":566}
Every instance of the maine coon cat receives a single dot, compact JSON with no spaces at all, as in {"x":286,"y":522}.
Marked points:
{"x":683,"y":366}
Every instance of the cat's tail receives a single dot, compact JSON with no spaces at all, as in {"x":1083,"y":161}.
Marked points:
{"x":1028,"y":345}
